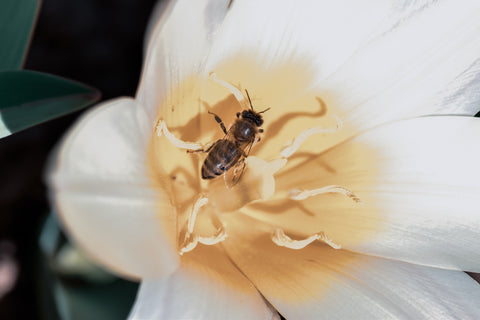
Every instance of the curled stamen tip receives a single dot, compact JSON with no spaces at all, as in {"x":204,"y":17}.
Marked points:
{"x":159,"y":128}
{"x":296,"y":194}
{"x":358,"y":200}
{"x":218,"y":237}
{"x":188,"y":247}
{"x":339,"y":122}
{"x":282,"y":240}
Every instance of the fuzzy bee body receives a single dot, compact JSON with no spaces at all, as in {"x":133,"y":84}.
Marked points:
{"x":234,"y":147}
{"x":223,"y":155}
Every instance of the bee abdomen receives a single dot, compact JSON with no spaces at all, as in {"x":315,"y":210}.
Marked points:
{"x":222,"y":157}
{"x":208,"y":174}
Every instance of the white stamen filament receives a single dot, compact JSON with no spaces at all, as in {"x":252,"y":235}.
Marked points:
{"x":304,"y":135}
{"x":219,"y":236}
{"x":190,"y":242}
{"x":233,"y":90}
{"x":192,"y":146}
{"x":202,"y":201}
{"x":281,"y":239}
{"x":296,"y":194}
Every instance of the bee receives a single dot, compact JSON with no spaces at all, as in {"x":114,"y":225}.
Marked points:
{"x":232,"y":150}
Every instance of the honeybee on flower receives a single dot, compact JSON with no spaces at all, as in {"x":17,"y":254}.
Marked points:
{"x":362,"y":193}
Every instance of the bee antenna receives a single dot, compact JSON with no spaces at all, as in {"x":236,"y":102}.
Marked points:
{"x":265,"y":110}
{"x":249,"y":100}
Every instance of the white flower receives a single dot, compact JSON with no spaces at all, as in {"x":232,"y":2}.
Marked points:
{"x":402,"y":77}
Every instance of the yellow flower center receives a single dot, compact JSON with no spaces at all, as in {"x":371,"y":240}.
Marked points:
{"x":199,"y":203}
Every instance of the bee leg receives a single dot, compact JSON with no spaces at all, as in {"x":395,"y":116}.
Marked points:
{"x":219,"y":121}
{"x":282,"y":240}
{"x":207,"y":148}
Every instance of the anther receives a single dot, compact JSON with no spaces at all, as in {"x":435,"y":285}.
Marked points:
{"x":296,"y":194}
{"x":281,"y":239}
{"x":304,"y":135}
{"x":191,"y":146}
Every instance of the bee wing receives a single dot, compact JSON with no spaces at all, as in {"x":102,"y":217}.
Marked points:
{"x":237,"y":171}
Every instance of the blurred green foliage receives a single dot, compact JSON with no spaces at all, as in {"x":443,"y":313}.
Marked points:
{"x":17,"y":18}
{"x":28,"y":98}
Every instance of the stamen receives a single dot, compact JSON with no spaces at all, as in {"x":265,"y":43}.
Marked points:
{"x":218,"y":237}
{"x":202,"y":201}
{"x":192,"y":146}
{"x":233,"y":90}
{"x":297,"y":142}
{"x":281,"y":239}
{"x":296,"y":194}
{"x":190,"y":241}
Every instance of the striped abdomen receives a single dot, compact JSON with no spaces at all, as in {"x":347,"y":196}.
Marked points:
{"x":223,"y":155}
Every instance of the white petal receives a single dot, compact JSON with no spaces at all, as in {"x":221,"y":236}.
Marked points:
{"x":178,"y":48}
{"x":419,"y":183}
{"x":318,"y":282}
{"x":104,"y":195}
{"x":274,"y":33}
{"x":369,"y":64}
{"x":413,"y":66}
{"x":195,"y":292}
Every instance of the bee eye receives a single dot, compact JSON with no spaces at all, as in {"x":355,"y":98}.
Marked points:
{"x":238,"y":114}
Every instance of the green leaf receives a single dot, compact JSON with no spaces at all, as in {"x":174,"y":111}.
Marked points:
{"x":17,"y":18}
{"x":111,"y":301}
{"x":28,"y":98}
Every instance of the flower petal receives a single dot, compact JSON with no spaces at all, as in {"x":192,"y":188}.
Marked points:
{"x":419,"y":183}
{"x":321,"y":32}
{"x":197,"y":292}
{"x":416,"y":65}
{"x":320,"y":282}
{"x":178,"y":48}
{"x":367,"y":64}
{"x":103,"y":193}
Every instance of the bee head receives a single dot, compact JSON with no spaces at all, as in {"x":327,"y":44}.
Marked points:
{"x":253,"y":116}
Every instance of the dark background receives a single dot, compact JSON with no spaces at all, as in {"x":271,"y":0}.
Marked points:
{"x":99,"y":43}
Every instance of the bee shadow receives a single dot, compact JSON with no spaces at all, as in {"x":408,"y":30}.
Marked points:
{"x":275,"y":127}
